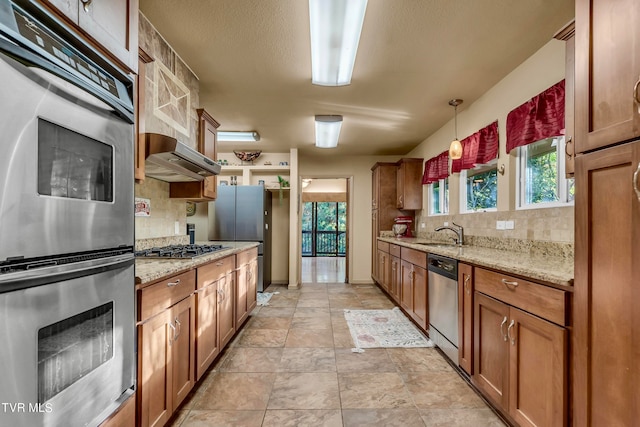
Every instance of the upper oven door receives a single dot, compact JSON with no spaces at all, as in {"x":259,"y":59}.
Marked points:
{"x":66,"y":175}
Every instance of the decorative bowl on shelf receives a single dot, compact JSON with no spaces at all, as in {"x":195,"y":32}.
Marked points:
{"x":247,"y":156}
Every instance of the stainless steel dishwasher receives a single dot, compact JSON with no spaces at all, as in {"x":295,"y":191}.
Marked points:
{"x":443,"y":304}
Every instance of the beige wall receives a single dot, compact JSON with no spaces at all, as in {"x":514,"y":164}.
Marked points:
{"x":280,"y":238}
{"x":359,"y":169}
{"x":540,"y":71}
{"x":164,"y":211}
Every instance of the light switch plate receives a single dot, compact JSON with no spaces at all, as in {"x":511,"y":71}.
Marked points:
{"x":500,"y":225}
{"x":509,"y":225}
{"x":177,"y":227}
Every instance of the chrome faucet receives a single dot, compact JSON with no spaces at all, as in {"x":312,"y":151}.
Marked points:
{"x":458,"y":230}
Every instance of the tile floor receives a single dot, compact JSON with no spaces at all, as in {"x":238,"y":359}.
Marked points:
{"x":323,"y":269}
{"x":292,"y":365}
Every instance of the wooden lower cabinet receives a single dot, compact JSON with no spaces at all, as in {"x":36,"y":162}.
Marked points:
{"x":384,"y":271}
{"x":124,"y":417}
{"x":247,"y":281}
{"x":465,"y":317}
{"x":395,"y":278}
{"x":413,"y":294}
{"x":520,"y":363}
{"x":226,"y":306}
{"x":166,"y":371}
{"x":207,"y":341}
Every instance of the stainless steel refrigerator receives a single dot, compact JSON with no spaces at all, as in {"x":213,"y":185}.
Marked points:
{"x":243,"y":213}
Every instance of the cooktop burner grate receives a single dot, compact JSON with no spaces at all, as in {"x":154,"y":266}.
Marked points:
{"x":179,"y":251}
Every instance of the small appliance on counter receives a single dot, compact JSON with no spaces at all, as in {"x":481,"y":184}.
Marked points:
{"x":402,"y":226}
{"x":191,"y":232}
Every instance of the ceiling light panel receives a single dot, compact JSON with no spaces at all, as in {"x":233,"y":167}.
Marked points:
{"x":328,"y":131}
{"x":238,"y":136}
{"x":335,"y":33}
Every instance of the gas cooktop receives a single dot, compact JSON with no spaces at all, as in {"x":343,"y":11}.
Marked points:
{"x":179,"y":251}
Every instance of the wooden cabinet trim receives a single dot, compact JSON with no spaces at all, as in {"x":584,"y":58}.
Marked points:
{"x":161,"y":295}
{"x":394,"y":250}
{"x":544,"y":301}
{"x":414,"y":256}
{"x":383,"y":246}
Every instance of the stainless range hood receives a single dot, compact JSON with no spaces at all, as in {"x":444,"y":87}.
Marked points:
{"x":168,"y":159}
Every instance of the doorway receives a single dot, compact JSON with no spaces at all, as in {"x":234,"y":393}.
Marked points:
{"x":324,"y":231}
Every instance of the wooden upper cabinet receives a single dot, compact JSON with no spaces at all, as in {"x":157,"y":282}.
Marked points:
{"x":567,"y":34}
{"x":201,"y":191}
{"x":140,"y":123}
{"x":112,"y":24}
{"x":409,"y":184}
{"x":607,"y":73}
{"x":207,"y":138}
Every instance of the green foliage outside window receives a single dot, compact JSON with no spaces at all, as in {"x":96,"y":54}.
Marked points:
{"x":543,"y":180}
{"x":482,"y":190}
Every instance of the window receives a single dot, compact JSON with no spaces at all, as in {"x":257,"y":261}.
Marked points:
{"x":324,"y":229}
{"x":439,"y":197}
{"x":479,"y":188}
{"x":541,"y":174}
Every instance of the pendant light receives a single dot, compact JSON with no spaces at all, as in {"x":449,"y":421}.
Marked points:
{"x":455,"y":149}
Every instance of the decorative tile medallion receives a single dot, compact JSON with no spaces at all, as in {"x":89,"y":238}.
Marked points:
{"x":171,"y":99}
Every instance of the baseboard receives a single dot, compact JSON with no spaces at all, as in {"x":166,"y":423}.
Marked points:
{"x":361,"y":282}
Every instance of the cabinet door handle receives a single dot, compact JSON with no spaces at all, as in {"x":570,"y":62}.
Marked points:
{"x":509,"y":283}
{"x":219,"y":296}
{"x":636,"y":185}
{"x":179,"y":329}
{"x":400,"y":199}
{"x":466,"y":284}
{"x":219,"y":263}
{"x":86,"y":4}
{"x":635,"y":92}
{"x":504,"y":321}
{"x":568,"y":143}
{"x":172,"y":284}
{"x":513,"y":339}
{"x":173,"y":328}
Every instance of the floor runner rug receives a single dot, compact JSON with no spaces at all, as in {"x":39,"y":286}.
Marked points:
{"x":264,"y":297}
{"x":383,"y":329}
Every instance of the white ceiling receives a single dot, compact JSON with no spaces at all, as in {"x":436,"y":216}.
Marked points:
{"x":253,"y":60}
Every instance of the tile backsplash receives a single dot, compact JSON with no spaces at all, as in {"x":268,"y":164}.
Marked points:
{"x":548,"y":224}
{"x":171,"y":99}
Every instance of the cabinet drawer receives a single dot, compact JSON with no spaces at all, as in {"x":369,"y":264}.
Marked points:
{"x":544,"y":301}
{"x":414,"y":257}
{"x":383,"y":246}
{"x":159,"y":296}
{"x":215,"y":270}
{"x":394,"y":250}
{"x":245,"y":257}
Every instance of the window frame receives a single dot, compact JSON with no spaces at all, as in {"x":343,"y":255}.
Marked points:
{"x":443,"y":197}
{"x":492,"y":165}
{"x":562,"y":186}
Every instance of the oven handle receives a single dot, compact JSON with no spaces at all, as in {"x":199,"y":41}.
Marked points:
{"x":30,"y":59}
{"x":43,"y":276}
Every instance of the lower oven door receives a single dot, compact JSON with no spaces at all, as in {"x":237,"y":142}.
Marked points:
{"x":68,"y":352}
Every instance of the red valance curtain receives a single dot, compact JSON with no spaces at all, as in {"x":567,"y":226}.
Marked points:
{"x":436,"y":168}
{"x":539,"y":118}
{"x":478,"y":149}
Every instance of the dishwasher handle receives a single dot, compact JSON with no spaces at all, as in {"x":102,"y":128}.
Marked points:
{"x":443,"y":266}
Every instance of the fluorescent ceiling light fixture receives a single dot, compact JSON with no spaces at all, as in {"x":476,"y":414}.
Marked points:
{"x":328,"y":131}
{"x":238,"y":136}
{"x":335,"y":32}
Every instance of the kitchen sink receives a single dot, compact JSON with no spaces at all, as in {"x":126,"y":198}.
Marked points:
{"x":438,"y":244}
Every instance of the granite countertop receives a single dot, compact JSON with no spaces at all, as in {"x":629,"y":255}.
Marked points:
{"x":150,"y":270}
{"x":547,"y":268}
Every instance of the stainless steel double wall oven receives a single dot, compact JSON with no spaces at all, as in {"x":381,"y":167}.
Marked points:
{"x":67,"y":310}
